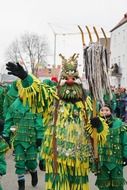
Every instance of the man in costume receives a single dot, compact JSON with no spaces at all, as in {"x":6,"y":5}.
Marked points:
{"x":3,"y":148}
{"x":67,"y":147}
{"x":113,"y":155}
{"x":3,"y":145}
{"x":26,"y":139}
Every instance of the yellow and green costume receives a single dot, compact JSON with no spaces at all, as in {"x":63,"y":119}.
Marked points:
{"x":74,"y":152}
{"x":67,"y":147}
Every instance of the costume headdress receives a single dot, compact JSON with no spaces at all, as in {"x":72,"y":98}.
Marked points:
{"x":69,"y":66}
{"x":70,"y":83}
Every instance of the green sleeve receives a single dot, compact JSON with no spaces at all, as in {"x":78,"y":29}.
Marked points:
{"x":27,"y":81}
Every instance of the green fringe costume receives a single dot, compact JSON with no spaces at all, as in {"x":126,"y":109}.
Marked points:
{"x":3,"y":145}
{"x":29,"y":128}
{"x":69,"y":155}
{"x":3,"y":149}
{"x":110,"y":166}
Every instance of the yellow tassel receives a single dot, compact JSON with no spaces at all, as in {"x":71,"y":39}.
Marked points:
{"x":85,"y":186}
{"x":101,"y":137}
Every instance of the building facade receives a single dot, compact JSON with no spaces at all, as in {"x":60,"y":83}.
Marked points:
{"x":119,"y":53}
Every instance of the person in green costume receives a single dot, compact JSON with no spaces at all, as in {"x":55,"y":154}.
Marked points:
{"x":113,"y":155}
{"x":3,"y":145}
{"x":66,"y":147}
{"x":10,"y":97}
{"x":26,"y":140}
{"x":3,"y":148}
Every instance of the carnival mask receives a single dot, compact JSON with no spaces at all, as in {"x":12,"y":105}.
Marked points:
{"x":70,"y":86}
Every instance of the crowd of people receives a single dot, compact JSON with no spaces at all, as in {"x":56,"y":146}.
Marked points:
{"x":51,"y":123}
{"x":119,"y":102}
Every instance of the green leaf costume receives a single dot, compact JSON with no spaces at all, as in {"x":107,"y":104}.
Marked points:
{"x":67,"y":147}
{"x":3,"y":145}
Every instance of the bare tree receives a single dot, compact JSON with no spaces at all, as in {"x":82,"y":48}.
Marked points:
{"x":13,"y":53}
{"x":31,"y":49}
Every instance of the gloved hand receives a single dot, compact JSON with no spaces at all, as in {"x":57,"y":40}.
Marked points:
{"x":42,"y":165}
{"x":124,"y":161}
{"x":38,"y":142}
{"x":95,"y":122}
{"x":16,"y":69}
{"x":7,"y":139}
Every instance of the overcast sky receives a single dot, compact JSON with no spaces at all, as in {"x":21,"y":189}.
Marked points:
{"x":19,"y":16}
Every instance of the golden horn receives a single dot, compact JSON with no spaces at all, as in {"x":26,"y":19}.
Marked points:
{"x":96,"y":33}
{"x":76,"y":56}
{"x":62,"y":56}
{"x":82,"y":34}
{"x":106,"y":41}
{"x":73,"y":56}
{"x":90,"y":37}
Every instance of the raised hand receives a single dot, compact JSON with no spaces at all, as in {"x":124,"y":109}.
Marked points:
{"x":16,"y":69}
{"x":95,"y":122}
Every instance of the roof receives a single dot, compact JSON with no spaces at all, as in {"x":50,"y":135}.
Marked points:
{"x":123,"y":21}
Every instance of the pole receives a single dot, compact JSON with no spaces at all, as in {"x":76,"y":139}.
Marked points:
{"x":55,"y":49}
{"x":54,"y":33}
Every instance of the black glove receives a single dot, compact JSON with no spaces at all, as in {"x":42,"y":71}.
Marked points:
{"x":38,"y":142}
{"x":124,"y":161}
{"x":16,"y":69}
{"x":95,"y":122}
{"x":42,"y":165}
{"x":7,"y":139}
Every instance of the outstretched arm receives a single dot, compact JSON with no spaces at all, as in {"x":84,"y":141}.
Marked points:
{"x":16,"y":69}
{"x":30,"y":89}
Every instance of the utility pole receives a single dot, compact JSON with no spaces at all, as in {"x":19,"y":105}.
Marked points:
{"x":55,"y":34}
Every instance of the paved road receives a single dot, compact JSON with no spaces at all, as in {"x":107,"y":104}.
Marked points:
{"x":9,"y":181}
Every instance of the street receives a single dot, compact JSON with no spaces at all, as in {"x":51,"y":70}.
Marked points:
{"x":9,"y":182}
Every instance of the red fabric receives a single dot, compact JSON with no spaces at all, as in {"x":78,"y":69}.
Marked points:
{"x":54,"y":79}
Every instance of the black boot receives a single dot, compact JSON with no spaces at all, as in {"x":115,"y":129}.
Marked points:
{"x":21,"y":184}
{"x":34,"y":179}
